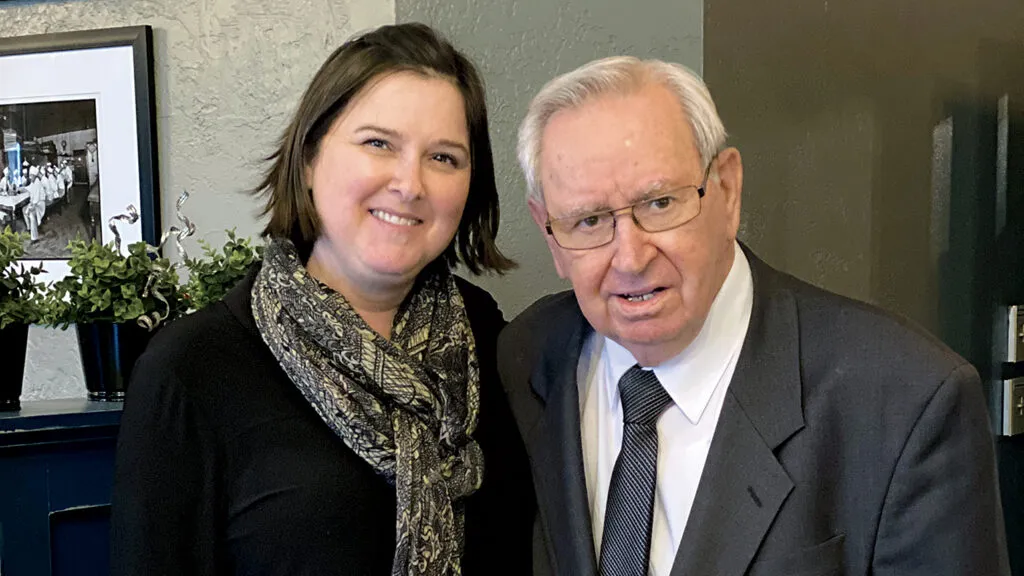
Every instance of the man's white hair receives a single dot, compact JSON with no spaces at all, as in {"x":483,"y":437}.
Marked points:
{"x":617,"y":75}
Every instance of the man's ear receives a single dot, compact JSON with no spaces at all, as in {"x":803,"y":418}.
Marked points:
{"x":729,"y":167}
{"x":540,"y":216}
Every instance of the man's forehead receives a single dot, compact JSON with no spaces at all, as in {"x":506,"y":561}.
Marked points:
{"x":618,"y":175}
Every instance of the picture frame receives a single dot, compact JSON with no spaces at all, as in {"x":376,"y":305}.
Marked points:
{"x":77,"y":113}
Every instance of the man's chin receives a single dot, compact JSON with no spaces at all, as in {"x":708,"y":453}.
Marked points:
{"x":650,"y":346}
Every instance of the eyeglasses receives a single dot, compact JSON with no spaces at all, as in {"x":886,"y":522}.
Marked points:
{"x":658,"y":214}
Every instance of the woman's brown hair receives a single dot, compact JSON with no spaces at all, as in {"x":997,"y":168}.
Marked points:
{"x":388,"y":49}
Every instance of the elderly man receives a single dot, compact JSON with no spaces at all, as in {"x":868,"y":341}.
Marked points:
{"x":691,"y":411}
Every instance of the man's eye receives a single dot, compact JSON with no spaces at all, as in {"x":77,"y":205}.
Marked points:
{"x":662,"y":203}
{"x":588,"y":221}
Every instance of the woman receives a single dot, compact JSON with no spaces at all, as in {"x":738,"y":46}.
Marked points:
{"x":339,"y":412}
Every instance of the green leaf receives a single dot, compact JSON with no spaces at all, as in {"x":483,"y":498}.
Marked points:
{"x":20,"y":293}
{"x":214,"y":274}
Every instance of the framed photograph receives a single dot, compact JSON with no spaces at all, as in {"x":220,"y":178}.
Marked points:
{"x":78,"y":127}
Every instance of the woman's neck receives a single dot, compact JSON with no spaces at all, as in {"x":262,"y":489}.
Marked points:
{"x":377,"y":306}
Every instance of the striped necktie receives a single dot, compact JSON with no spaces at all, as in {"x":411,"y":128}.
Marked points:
{"x":626,"y":540}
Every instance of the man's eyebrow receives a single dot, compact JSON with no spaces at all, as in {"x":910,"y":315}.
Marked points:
{"x":581,"y":210}
{"x":650,"y":192}
{"x":653,"y":191}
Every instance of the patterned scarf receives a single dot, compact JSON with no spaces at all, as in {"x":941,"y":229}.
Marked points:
{"x":406,"y":406}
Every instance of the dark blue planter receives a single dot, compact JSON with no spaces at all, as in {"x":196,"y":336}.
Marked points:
{"x":13,"y":341}
{"x":109,"y":352}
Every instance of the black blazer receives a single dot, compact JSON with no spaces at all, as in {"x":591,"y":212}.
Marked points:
{"x":223,"y":468}
{"x":849,"y":443}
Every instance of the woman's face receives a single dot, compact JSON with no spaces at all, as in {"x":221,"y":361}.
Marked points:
{"x":390,"y":180}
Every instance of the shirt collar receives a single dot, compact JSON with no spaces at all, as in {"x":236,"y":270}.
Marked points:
{"x":692,"y":376}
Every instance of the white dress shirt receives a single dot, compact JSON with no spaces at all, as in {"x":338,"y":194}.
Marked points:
{"x":696,"y":380}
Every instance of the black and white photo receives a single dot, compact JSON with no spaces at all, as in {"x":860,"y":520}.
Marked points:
{"x":49,"y":174}
{"x":77,"y":140}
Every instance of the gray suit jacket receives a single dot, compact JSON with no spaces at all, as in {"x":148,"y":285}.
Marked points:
{"x":850,"y":442}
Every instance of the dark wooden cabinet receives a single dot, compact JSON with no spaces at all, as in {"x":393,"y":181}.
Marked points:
{"x":56,"y":475}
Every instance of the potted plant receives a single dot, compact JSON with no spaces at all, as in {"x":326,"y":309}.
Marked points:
{"x":214,"y":274}
{"x":115,"y":302}
{"x":21,"y":304}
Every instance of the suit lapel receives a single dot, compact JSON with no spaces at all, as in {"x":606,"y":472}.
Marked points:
{"x":558,"y":452}
{"x":743,"y":484}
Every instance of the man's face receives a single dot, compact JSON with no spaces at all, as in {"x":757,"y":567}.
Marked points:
{"x":650,"y":292}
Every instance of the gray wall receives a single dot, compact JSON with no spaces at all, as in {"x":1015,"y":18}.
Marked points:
{"x":521,"y":44}
{"x":834,"y":107}
{"x":228,"y":72}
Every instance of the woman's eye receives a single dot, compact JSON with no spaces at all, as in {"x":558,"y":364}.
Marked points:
{"x":447,"y":159}
{"x":377,"y":143}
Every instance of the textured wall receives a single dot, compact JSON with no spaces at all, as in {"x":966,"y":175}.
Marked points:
{"x":228,"y":72}
{"x":521,"y":44}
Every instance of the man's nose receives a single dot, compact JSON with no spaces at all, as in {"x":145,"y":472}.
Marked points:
{"x":633,"y":250}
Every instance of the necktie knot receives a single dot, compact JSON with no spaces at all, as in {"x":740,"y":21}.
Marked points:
{"x":643,"y":397}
